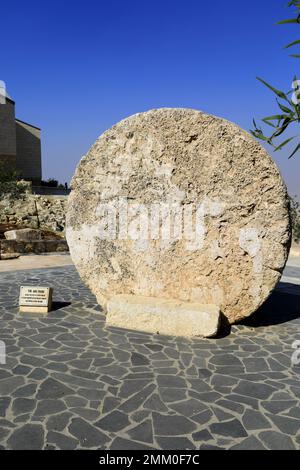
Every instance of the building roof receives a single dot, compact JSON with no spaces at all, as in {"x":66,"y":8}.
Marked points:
{"x":27,"y":124}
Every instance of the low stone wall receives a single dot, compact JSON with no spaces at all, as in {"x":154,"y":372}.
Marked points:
{"x":35,"y":211}
{"x":48,"y":191}
{"x":41,"y":246}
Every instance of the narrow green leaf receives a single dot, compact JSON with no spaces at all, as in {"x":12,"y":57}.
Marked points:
{"x":270,"y":124}
{"x":283,"y":108}
{"x":290,"y":20}
{"x":276,"y":117}
{"x":283,"y":144}
{"x":277,"y":92}
{"x":281,"y":129}
{"x":259,"y":135}
{"x":296,"y":150}
{"x":296,"y":56}
{"x":292,"y":44}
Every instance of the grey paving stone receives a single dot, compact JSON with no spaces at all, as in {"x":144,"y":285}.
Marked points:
{"x":4,"y":404}
{"x":154,"y":346}
{"x":294,"y":412}
{"x":139,"y":359}
{"x":231,"y":428}
{"x":226,"y":360}
{"x":23,"y":405}
{"x":62,"y":441}
{"x":130,"y":387}
{"x":110,"y":403}
{"x":203,"y":435}
{"x":120,"y":443}
{"x":170,"y":395}
{"x":88,"y":414}
{"x":250,"y":443}
{"x":113,"y":422}
{"x":59,"y":366}
{"x":278,"y":406}
{"x":72,"y":381}
{"x":4,"y":374}
{"x":274,"y":440}
{"x":137,"y":400}
{"x":75,"y":401}
{"x":210,"y":447}
{"x":49,"y":407}
{"x":223,"y":380}
{"x":33,"y":361}
{"x":4,"y":433}
{"x":154,"y":403}
{"x":175,"y":443}
{"x":252,"y":402}
{"x":171,"y":381}
{"x":172,"y":425}
{"x":38,"y":374}
{"x":254,"y":420}
{"x":253,"y":389}
{"x":25,"y":391}
{"x":254,"y":364}
{"x":27,"y":437}
{"x":51,"y":388}
{"x":142,"y":432}
{"x":21,"y":370}
{"x":286,"y":425}
{"x":58,"y":422}
{"x":139,"y":416}
{"x":188,"y":407}
{"x":88,"y":435}
{"x":91,"y":394}
{"x":222,"y":415}
{"x":9,"y":385}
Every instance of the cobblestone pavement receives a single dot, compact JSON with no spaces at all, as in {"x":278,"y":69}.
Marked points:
{"x":70,"y":383}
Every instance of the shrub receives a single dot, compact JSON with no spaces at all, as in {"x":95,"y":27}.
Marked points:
{"x":295,"y":214}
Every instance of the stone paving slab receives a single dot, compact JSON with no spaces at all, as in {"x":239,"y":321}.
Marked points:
{"x":35,"y":262}
{"x":71,"y":383}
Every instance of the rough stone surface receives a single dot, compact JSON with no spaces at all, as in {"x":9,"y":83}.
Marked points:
{"x":33,"y":211}
{"x":181,"y":158}
{"x":14,"y":247}
{"x":23,"y":235}
{"x":163,"y":316}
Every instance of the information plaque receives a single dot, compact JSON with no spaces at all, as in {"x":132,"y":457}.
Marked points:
{"x":35,"y":299}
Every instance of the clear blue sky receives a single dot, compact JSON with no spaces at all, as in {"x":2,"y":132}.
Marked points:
{"x":77,"y":67}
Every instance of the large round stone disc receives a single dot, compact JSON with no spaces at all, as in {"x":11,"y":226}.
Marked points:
{"x":175,"y":203}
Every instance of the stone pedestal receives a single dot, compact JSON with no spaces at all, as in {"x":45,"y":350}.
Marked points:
{"x":162,"y":316}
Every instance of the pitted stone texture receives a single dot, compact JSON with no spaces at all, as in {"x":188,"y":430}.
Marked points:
{"x":23,"y":235}
{"x":183,"y":157}
{"x":163,"y":316}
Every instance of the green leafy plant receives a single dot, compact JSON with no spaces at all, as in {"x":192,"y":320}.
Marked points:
{"x":295,"y":215}
{"x":288,"y":102}
{"x":10,"y":186}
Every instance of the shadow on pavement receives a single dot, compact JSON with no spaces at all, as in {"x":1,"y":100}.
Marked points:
{"x":59,"y":305}
{"x":282,"y":306}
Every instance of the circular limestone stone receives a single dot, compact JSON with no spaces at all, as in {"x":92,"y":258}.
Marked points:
{"x":178,"y":204}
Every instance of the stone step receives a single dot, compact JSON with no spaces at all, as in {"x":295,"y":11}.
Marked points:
{"x":39,"y":246}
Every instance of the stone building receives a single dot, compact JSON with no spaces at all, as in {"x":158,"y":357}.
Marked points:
{"x":20,"y":144}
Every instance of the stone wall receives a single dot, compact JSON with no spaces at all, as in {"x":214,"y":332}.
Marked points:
{"x":29,"y":162}
{"x":41,"y":246}
{"x":34,"y":211}
{"x":8,"y":135}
